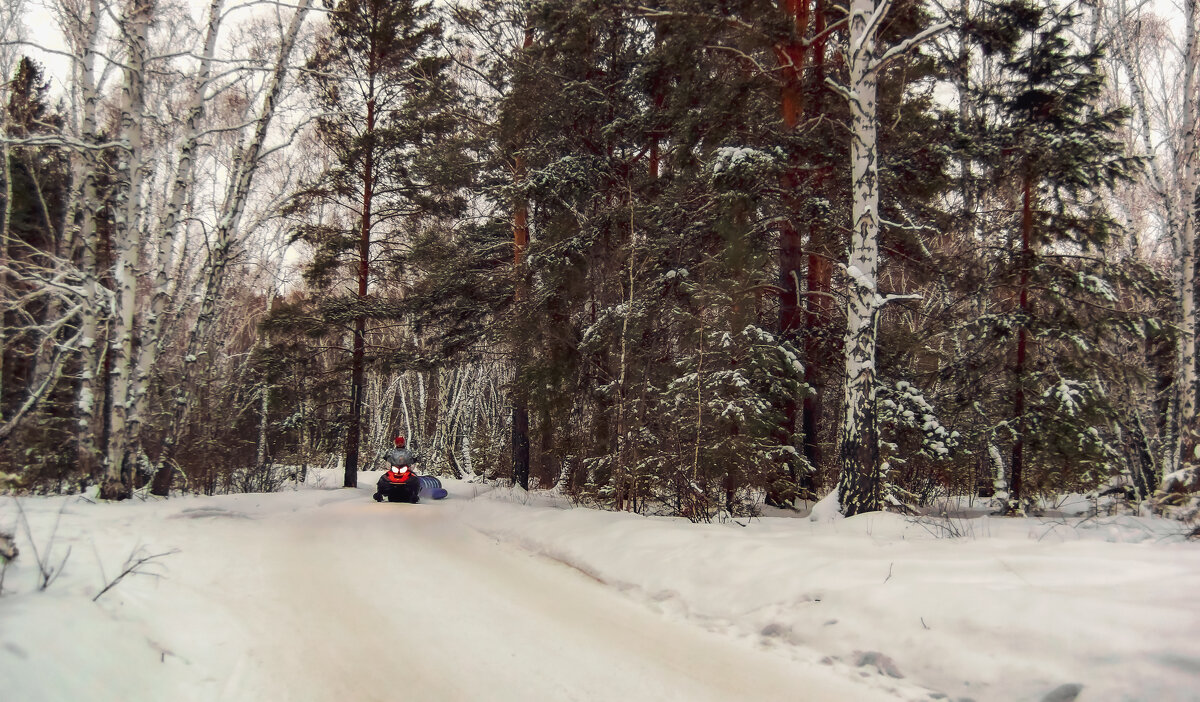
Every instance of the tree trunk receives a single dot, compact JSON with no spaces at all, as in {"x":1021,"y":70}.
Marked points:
{"x":85,"y":166}
{"x":260,"y":454}
{"x":859,"y":485}
{"x":520,"y":407}
{"x":819,"y":302}
{"x":354,"y":428}
{"x":1188,"y":434}
{"x":1016,"y":473}
{"x":5,"y":219}
{"x":433,"y":409}
{"x":791,"y":58}
{"x":520,"y":443}
{"x":118,"y":476}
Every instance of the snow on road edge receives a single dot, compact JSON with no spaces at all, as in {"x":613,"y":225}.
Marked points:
{"x":1013,"y":609}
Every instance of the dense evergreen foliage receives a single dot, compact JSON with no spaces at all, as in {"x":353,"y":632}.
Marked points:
{"x":604,"y":247}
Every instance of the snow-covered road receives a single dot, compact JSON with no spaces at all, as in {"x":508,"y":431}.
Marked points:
{"x":327,"y":596}
{"x":318,"y":594}
{"x":383,"y":602}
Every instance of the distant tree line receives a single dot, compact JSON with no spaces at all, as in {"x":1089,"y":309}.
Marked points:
{"x":682,"y":257}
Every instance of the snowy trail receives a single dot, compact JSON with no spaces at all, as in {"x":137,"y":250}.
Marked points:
{"x":309,"y":596}
{"x":294,"y":597}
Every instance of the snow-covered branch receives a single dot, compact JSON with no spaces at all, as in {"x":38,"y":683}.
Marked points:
{"x":908,"y":44}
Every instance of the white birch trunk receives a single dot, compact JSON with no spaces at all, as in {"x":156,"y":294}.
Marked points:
{"x":84,"y":167}
{"x":421,"y":405}
{"x":128,"y":245}
{"x":1186,"y":446}
{"x":859,"y":483}
{"x":181,"y":187}
{"x":404,"y":407}
{"x":238,"y":190}
{"x":5,"y":219}
{"x":260,"y":457}
{"x":454,"y":407}
{"x":624,"y":482}
{"x":383,"y":430}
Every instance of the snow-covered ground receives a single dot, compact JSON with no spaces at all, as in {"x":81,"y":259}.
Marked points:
{"x":322,"y":594}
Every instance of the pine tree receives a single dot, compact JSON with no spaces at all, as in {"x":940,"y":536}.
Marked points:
{"x":1048,"y":142}
{"x":393,"y":161}
{"x":34,"y":403}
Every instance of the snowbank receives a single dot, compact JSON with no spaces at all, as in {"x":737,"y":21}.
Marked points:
{"x":984,"y":608}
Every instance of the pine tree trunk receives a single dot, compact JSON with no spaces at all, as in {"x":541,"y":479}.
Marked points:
{"x":818,"y":315}
{"x":1016,"y":473}
{"x":354,"y":426}
{"x":859,"y":485}
{"x":520,"y":407}
{"x":520,"y":443}
{"x":791,"y":58}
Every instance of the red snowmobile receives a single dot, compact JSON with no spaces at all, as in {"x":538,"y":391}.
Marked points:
{"x":399,"y":484}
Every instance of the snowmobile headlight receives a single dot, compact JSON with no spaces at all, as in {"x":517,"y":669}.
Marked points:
{"x":395,"y":469}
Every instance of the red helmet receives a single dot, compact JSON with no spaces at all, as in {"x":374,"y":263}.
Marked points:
{"x":399,"y":442}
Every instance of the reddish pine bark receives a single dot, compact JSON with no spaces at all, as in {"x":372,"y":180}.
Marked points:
{"x":815,"y":311}
{"x":791,"y":58}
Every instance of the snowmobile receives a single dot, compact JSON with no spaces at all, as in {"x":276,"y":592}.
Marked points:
{"x":401,"y":484}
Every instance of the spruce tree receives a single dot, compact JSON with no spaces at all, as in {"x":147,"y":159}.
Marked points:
{"x":1045,"y":138}
{"x":33,"y":190}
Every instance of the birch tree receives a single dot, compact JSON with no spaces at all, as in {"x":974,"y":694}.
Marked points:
{"x":861,"y":475}
{"x":251,"y":150}
{"x":1159,"y":72}
{"x":135,"y":27}
{"x":81,"y":28}
{"x":1187,"y":448}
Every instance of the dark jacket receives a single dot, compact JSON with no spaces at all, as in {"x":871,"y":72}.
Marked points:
{"x":399,"y":457}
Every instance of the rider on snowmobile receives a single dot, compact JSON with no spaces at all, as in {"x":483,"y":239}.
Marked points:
{"x":399,"y":483}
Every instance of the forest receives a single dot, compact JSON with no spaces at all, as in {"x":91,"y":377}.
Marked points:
{"x":673,"y":257}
